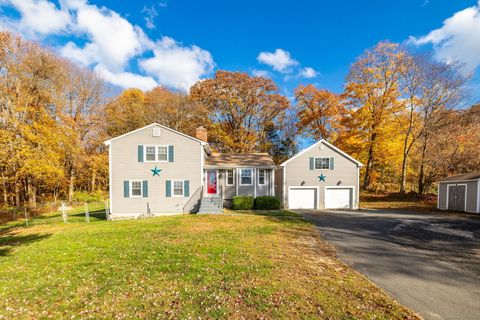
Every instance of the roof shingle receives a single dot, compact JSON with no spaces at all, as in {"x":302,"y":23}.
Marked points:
{"x":463,"y":176}
{"x":232,"y":160}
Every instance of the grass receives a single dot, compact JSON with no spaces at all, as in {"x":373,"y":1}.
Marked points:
{"x":397,"y":201}
{"x":186,"y":266}
{"x":271,"y":213}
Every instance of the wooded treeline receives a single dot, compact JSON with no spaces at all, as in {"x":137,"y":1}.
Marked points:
{"x":403,"y":115}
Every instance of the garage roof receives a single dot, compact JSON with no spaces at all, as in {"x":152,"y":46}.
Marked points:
{"x":463,"y":176}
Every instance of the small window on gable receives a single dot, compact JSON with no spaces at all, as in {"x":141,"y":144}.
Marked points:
{"x":261,"y":176}
{"x":322,"y":163}
{"x":156,"y":132}
{"x":230,"y":177}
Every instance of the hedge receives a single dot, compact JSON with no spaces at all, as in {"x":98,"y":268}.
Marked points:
{"x":242,"y":203}
{"x":267,"y":203}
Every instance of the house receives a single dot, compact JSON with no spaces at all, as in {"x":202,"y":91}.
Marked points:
{"x":460,"y":193}
{"x":156,"y":170}
{"x":319,"y":177}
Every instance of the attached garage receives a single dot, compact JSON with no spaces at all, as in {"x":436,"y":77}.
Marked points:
{"x":303,"y":197}
{"x":460,"y":193}
{"x":339,"y":197}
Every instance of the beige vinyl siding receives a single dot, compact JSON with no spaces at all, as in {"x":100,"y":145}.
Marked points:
{"x":298,"y":173}
{"x":124,"y":166}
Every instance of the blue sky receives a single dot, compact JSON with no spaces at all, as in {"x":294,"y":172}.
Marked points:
{"x":176,"y":42}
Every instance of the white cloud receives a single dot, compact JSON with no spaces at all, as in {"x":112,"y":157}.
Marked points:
{"x":126,"y":79}
{"x":177,"y":66}
{"x":150,"y":15}
{"x":308,"y":72}
{"x":102,"y":39}
{"x":261,"y":73}
{"x":280,"y":60}
{"x":458,"y":39}
{"x":36,"y":17}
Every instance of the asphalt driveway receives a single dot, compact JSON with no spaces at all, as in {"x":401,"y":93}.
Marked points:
{"x":428,"y":262}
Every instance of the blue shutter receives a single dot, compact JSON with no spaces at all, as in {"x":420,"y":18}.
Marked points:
{"x":145,"y":188}
{"x":332,"y":164}
{"x":186,"y":188}
{"x":312,"y":163}
{"x":126,"y":188}
{"x":140,"y":153}
{"x":171,"y":156}
{"x":168,"y":188}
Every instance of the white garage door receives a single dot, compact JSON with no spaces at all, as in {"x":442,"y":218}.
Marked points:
{"x":302,"y":198}
{"x":338,"y":198}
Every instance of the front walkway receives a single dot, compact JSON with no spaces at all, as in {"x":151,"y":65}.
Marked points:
{"x":428,"y":262}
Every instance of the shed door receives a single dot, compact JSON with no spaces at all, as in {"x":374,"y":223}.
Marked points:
{"x":456,"y":197}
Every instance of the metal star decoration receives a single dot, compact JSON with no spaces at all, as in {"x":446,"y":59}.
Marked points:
{"x":156,"y":171}
{"x":321,"y":177}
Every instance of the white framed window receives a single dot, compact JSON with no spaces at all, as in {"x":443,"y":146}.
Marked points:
{"x":322,"y":163}
{"x":261,"y":177}
{"x":177,"y":188}
{"x":230,"y":178}
{"x":136,"y":189}
{"x":162,"y":153}
{"x":246,"y":177}
{"x":156,"y":154}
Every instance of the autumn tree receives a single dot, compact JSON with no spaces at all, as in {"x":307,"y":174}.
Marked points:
{"x":319,"y":112}
{"x":241,"y":108}
{"x":373,"y":92}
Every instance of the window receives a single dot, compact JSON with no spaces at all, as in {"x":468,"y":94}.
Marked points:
{"x":149,"y":153}
{"x":162,"y":153}
{"x":246,"y":177}
{"x":177,"y":189}
{"x":135,"y":188}
{"x":322,"y":163}
{"x":156,"y":153}
{"x":261,"y":176}
{"x":230,"y":177}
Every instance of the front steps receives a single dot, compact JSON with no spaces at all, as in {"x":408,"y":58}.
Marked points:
{"x":211,"y":205}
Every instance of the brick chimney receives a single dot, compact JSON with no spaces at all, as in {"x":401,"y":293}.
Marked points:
{"x":201,"y":134}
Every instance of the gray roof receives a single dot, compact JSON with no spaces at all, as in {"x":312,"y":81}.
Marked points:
{"x":233,"y":160}
{"x":463,"y":176}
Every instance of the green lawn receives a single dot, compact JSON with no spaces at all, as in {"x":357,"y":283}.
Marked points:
{"x":186,"y":266}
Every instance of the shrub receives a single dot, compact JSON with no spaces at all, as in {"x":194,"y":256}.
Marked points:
{"x":242,"y":203}
{"x":267,"y":203}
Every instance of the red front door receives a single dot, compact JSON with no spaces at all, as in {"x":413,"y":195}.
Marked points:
{"x":211,"y":182}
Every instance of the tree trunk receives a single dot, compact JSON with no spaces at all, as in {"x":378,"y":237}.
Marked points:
{"x":31,"y":194}
{"x":403,"y":180}
{"x":421,"y":174}
{"x":71,"y":185}
{"x":5,"y":193}
{"x":369,"y":167}
{"x":17,"y":192}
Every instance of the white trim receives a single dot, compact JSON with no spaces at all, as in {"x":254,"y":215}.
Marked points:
{"x":107,"y":142}
{"x":352,"y":206}
{"x":317,"y":202}
{"x":272,"y":181}
{"x":236,"y":185}
{"x":264,"y":176}
{"x":130,"y":188}
{"x":226,"y":177}
{"x":202,"y":161}
{"x":156,"y":146}
{"x":110,"y":177}
{"x":254,"y":174}
{"x":455,"y":181}
{"x":172,"y":183}
{"x":328,"y":145}
{"x":466,"y":192}
{"x":251,"y":177}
